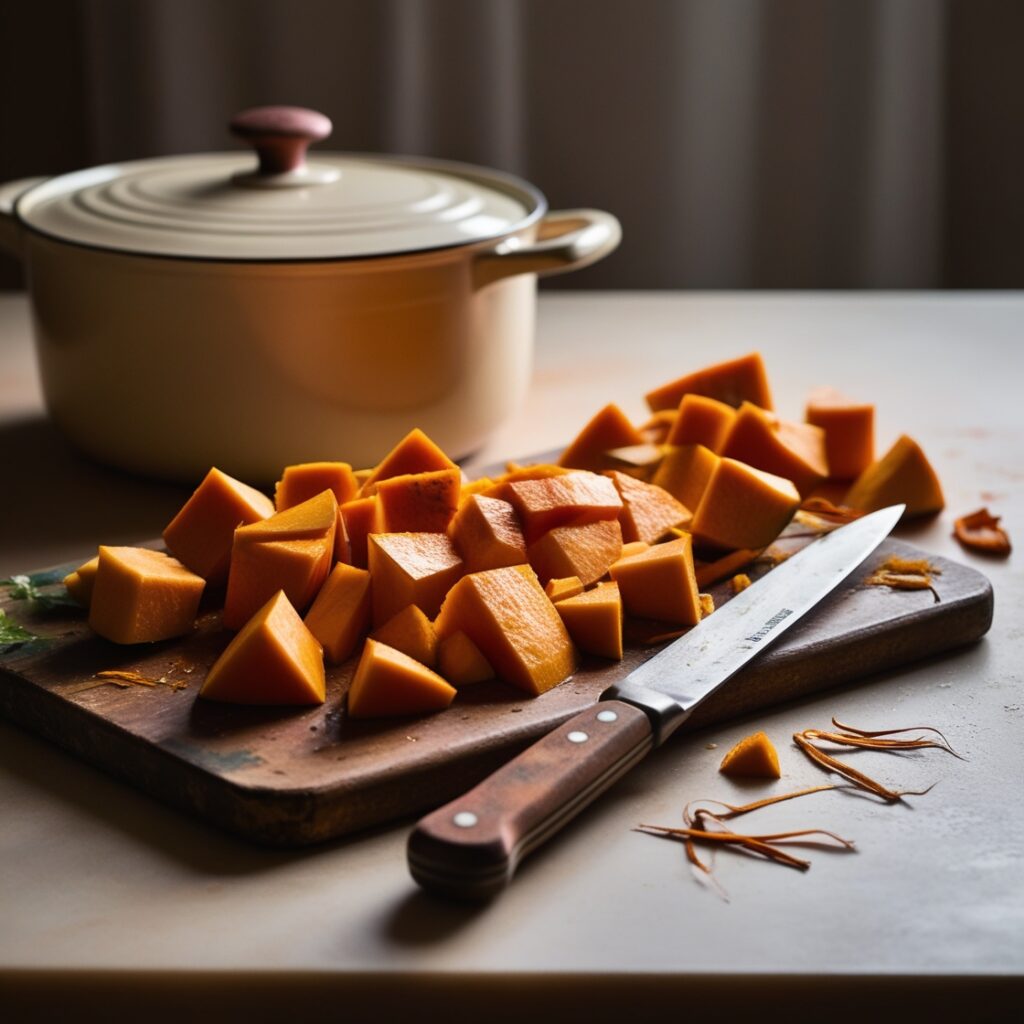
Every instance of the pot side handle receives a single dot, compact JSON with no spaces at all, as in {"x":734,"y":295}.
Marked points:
{"x":10,"y":233}
{"x":566,"y":240}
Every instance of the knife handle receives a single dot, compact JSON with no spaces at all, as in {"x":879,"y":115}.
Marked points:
{"x":470,"y":848}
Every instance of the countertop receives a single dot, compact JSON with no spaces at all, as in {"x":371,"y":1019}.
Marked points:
{"x":110,"y":900}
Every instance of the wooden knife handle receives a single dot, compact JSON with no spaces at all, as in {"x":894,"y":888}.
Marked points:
{"x":470,"y":848}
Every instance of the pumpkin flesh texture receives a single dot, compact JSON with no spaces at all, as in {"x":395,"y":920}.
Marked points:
{"x":594,"y":620}
{"x":360,"y":518}
{"x":701,"y":420}
{"x":389,"y":683}
{"x":415,"y":453}
{"x":648,"y":512}
{"x":733,"y":382}
{"x":753,"y":757}
{"x":903,"y":475}
{"x":79,"y":583}
{"x":461,"y":662}
{"x":577,"y":497}
{"x":487,"y":535}
{"x":660,"y":583}
{"x":306,"y":480}
{"x":411,"y":568}
{"x":583,"y":550}
{"x":684,"y":473}
{"x":340,"y":614}
{"x":609,"y":428}
{"x":418,"y":502}
{"x":849,"y":431}
{"x":412,"y":633}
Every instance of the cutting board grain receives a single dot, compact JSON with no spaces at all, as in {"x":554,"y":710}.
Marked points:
{"x":290,"y":777}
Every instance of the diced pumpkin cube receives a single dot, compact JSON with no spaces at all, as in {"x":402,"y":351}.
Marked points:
{"x":517,"y":473}
{"x":140,"y":596}
{"x":577,"y":497}
{"x":849,"y":431}
{"x":339,"y":617}
{"x":415,"y":453}
{"x":510,"y":619}
{"x":308,"y":479}
{"x":411,"y":568}
{"x":312,"y":519}
{"x":480,"y":486}
{"x":658,"y":426}
{"x":732,"y":382}
{"x":274,"y":659}
{"x":461,"y":662}
{"x":648,"y":512}
{"x":752,"y":757}
{"x":418,"y":502}
{"x":743,"y":507}
{"x":594,"y":620}
{"x":659,"y":583}
{"x":389,"y":683}
{"x":639,"y":460}
{"x":487,"y":535}
{"x":903,"y":474}
{"x":201,"y":534}
{"x":609,"y":428}
{"x":584,"y":550}
{"x":634,"y":547}
{"x":559,"y":589}
{"x":795,"y":451}
{"x":684,"y":472}
{"x":724,"y":567}
{"x":79,"y":583}
{"x":701,"y":420}
{"x":361,"y":519}
{"x":412,"y":633}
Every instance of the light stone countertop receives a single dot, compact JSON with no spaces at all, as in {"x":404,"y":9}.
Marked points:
{"x":107,"y":896}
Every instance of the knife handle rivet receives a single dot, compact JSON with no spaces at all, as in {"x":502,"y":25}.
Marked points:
{"x":465,"y":819}
{"x":607,"y":716}
{"x":577,"y":737}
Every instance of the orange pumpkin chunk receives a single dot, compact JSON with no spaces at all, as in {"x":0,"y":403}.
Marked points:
{"x":415,"y":453}
{"x":79,"y":583}
{"x":732,"y":382}
{"x":578,"y":497}
{"x":412,"y":633}
{"x":389,"y":683}
{"x":274,"y":659}
{"x":795,"y":451}
{"x":659,"y":583}
{"x":559,"y":589}
{"x":313,"y":519}
{"x":419,"y":502}
{"x":701,"y":420}
{"x":461,"y":662}
{"x":360,"y":518}
{"x":308,"y":479}
{"x":743,"y":507}
{"x":584,"y":550}
{"x":634,"y":547}
{"x":684,"y":473}
{"x":510,"y":619}
{"x":648,"y":512}
{"x":594,"y":620}
{"x":903,"y":474}
{"x":656,"y":429}
{"x":486,"y":533}
{"x":849,"y":431}
{"x":411,"y":568}
{"x":639,"y":460}
{"x":201,"y":534}
{"x":340,"y":615}
{"x":753,"y":757}
{"x":140,"y":596}
{"x":608,"y":429}
{"x":342,"y":541}
{"x":481,"y":486}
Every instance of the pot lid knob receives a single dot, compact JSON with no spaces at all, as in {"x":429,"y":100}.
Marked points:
{"x":281,"y":135}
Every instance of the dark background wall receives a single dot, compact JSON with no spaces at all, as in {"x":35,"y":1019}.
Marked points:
{"x":743,"y":143}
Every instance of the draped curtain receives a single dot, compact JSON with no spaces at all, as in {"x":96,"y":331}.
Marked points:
{"x":742,"y":143}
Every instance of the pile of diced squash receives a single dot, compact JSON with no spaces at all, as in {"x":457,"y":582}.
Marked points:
{"x":438,"y":583}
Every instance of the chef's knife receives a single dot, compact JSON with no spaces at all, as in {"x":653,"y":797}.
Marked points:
{"x":470,"y":848}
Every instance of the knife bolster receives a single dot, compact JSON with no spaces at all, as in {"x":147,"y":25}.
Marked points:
{"x":665,"y":714}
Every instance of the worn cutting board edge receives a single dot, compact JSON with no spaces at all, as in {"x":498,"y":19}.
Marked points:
{"x":812,"y":657}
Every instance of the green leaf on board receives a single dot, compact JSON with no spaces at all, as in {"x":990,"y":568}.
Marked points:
{"x":27,"y":588}
{"x":13,"y":635}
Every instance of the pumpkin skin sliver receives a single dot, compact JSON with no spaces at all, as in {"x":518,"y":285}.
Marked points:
{"x":301,"y":482}
{"x":753,"y":757}
{"x":486,"y":534}
{"x":389,"y":683}
{"x":609,"y":428}
{"x":733,"y":382}
{"x":660,"y":583}
{"x":412,"y":633}
{"x":340,"y":614}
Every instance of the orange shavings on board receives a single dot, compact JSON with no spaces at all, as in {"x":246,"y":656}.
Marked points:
{"x":905,"y":574}
{"x":980,"y":531}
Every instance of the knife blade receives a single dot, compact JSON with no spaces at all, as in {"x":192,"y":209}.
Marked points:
{"x":470,"y":848}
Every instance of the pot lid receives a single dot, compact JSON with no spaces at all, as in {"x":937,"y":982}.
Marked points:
{"x":226,"y":206}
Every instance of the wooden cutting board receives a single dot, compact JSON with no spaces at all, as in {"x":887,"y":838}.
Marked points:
{"x":289,"y":777}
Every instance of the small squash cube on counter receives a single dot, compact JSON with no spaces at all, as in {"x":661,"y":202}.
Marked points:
{"x":461,"y":662}
{"x":412,"y":633}
{"x":274,"y":659}
{"x":361,"y":519}
{"x":743,"y":507}
{"x":609,"y":428}
{"x":313,"y":519}
{"x":411,"y":568}
{"x":415,"y":453}
{"x":701,"y":420}
{"x":753,"y":757}
{"x":201,"y":534}
{"x":594,"y":620}
{"x":389,"y":683}
{"x":732,"y":382}
{"x":583,"y":550}
{"x":487,"y":535}
{"x":418,"y":502}
{"x":510,"y":619}
{"x":648,"y":512}
{"x":140,"y":596}
{"x":795,"y":451}
{"x":304,"y":481}
{"x":903,"y":474}
{"x":578,"y":497}
{"x":849,"y":431}
{"x":79,"y":583}
{"x":684,"y":472}
{"x":559,"y":589}
{"x":340,"y":614}
{"x":659,"y":583}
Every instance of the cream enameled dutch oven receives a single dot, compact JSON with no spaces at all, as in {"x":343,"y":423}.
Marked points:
{"x":215,"y":310}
